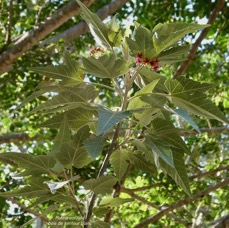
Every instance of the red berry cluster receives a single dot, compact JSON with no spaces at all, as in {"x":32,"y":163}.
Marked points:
{"x":153,"y":63}
{"x":96,"y":50}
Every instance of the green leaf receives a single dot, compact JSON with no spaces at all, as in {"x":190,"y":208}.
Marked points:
{"x":100,"y":211}
{"x":77,"y":118}
{"x":136,"y":102}
{"x":143,"y":42}
{"x":165,"y":133}
{"x":81,"y":136}
{"x":69,"y":99}
{"x":184,"y":115}
{"x":69,"y":73}
{"x":33,"y":165}
{"x":146,"y":116}
{"x":115,"y":34}
{"x":36,"y":189}
{"x":70,"y":156}
{"x":57,"y":197}
{"x":155,"y":100}
{"x":101,"y":185}
{"x":148,"y":76}
{"x":43,"y":87}
{"x":141,"y":163}
{"x":160,"y":150}
{"x":191,"y":99}
{"x":169,"y":34}
{"x":106,"y":66}
{"x":173,"y":55}
{"x":178,"y":172}
{"x":108,"y":119}
{"x":188,"y":86}
{"x":95,"y":146}
{"x":119,"y":162}
{"x":64,"y":135}
{"x":98,"y":29}
{"x":109,"y":201}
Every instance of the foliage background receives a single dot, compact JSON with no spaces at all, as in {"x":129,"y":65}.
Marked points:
{"x":21,"y":133}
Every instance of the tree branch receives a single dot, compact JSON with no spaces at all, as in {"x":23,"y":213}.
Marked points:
{"x":8,"y":35}
{"x":143,"y":200}
{"x":214,"y":130}
{"x":12,"y":138}
{"x":28,"y":40}
{"x":81,"y":28}
{"x":219,"y":223}
{"x":23,"y":137}
{"x":184,"y":66}
{"x":221,"y":168}
{"x":181,"y":203}
{"x":27,"y":209}
{"x":143,"y":188}
{"x":117,"y":192}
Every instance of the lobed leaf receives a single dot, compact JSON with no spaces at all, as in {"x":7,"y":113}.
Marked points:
{"x":106,"y":66}
{"x":33,"y":165}
{"x":108,"y":119}
{"x":77,"y":118}
{"x":141,"y":163}
{"x":98,"y":29}
{"x":160,"y":150}
{"x":136,"y":102}
{"x":64,"y":135}
{"x":166,"y":35}
{"x":188,"y":97}
{"x":178,"y":172}
{"x":184,"y":115}
{"x":95,"y":146}
{"x":72,"y":156}
{"x":35,"y":189}
{"x":119,"y":162}
{"x":173,"y":55}
{"x":81,"y":136}
{"x":164,"y":132}
{"x":101,"y":185}
{"x":143,"y":42}
{"x":69,"y":99}
{"x":69,"y":73}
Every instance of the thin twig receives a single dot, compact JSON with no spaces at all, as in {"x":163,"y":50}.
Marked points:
{"x":101,"y":172}
{"x":73,"y":196}
{"x":143,"y":200}
{"x":200,"y":175}
{"x":144,"y":187}
{"x":181,"y":203}
{"x":184,"y":66}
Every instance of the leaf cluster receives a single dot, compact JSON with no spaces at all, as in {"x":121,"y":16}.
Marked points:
{"x":139,"y":133}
